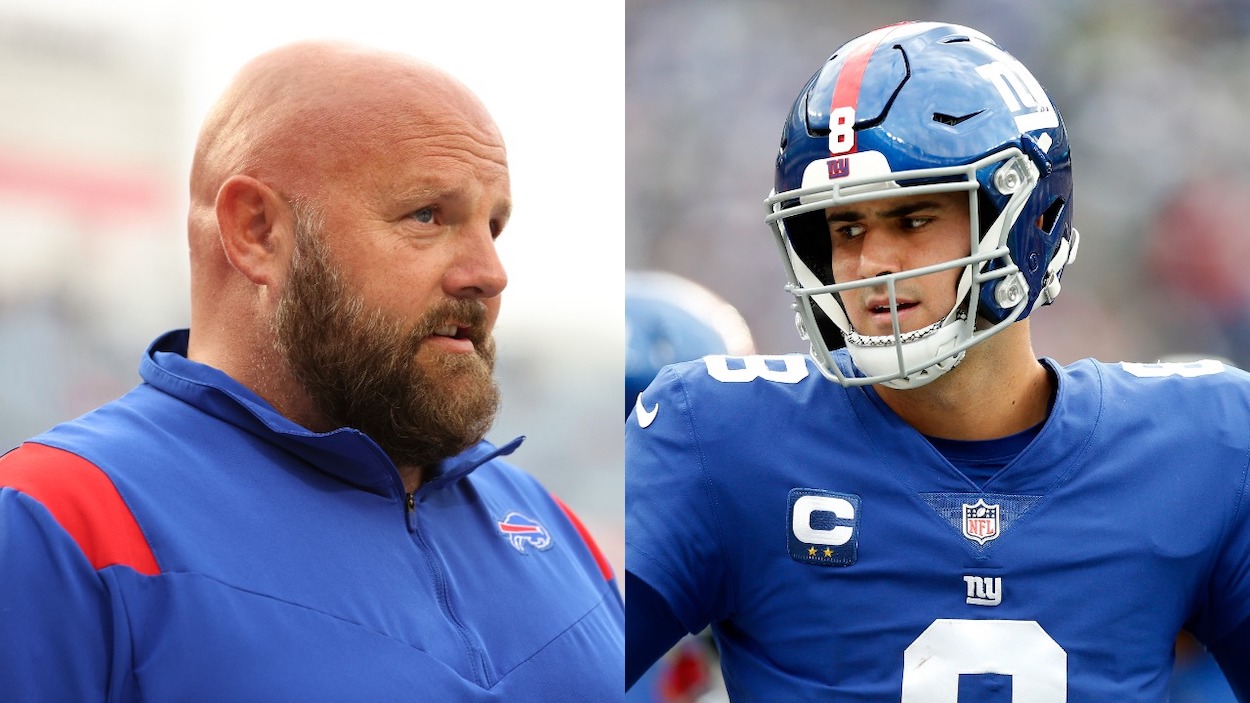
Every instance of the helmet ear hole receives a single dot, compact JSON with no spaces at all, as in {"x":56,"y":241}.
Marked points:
{"x":987,"y":212}
{"x":1047,"y":221}
{"x":809,"y":236}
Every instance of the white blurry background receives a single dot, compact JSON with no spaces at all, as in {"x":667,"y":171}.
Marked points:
{"x":100,"y":104}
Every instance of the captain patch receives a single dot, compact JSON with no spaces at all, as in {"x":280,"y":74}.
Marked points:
{"x":823,"y":527}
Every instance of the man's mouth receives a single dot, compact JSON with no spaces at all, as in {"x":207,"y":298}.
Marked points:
{"x":456,"y":337}
{"x":884,"y":308}
{"x":453,"y":330}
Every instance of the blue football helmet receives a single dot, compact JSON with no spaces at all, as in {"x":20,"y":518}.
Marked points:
{"x":913,"y":108}
{"x":669,"y":319}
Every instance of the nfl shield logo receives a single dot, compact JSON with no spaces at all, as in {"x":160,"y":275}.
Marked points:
{"x":981,"y":521}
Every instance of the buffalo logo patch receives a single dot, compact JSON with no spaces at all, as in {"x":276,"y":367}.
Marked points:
{"x":524,"y":531}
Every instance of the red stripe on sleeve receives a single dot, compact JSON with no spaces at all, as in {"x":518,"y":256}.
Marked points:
{"x":84,"y":502}
{"x":605,"y":567}
{"x":851,"y":77}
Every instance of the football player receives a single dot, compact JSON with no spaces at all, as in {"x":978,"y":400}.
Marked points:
{"x":932,"y":513}
{"x":670,"y":318}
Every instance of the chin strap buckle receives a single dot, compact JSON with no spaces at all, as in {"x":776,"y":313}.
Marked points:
{"x":1066,"y":255}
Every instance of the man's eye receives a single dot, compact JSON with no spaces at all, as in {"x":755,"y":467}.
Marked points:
{"x":850,"y":231}
{"x":916,"y":222}
{"x":425,"y":215}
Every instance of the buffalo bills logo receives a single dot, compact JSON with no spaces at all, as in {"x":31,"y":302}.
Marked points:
{"x":521,"y":530}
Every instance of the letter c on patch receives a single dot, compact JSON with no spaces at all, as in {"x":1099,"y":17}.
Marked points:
{"x":801,"y":519}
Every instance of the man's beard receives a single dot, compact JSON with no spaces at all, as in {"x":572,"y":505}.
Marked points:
{"x":361,"y":367}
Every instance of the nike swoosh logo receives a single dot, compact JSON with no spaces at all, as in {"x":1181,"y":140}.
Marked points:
{"x":646,"y":417}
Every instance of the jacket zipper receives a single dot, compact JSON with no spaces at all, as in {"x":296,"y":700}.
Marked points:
{"x":470,"y":644}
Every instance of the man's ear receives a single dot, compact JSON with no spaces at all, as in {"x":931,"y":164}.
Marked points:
{"x":256,"y":229}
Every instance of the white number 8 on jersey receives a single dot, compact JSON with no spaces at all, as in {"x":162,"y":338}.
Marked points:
{"x":790,"y":368}
{"x":1021,"y":649}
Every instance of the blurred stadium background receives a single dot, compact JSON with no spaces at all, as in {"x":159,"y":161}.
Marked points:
{"x":100,"y":106}
{"x":1155,"y":95}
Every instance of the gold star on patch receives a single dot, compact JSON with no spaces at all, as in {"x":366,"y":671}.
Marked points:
{"x":828,"y":552}
{"x":811,"y":551}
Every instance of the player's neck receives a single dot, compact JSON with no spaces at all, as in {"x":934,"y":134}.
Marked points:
{"x":999,"y":389}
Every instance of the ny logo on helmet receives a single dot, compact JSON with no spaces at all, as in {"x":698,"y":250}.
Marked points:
{"x":1021,"y":92}
{"x":839,"y":168}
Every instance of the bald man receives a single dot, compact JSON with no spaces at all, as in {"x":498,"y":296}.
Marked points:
{"x":297,"y":503}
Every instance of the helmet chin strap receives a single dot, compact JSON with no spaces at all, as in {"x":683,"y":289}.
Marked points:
{"x":877,"y":355}
{"x":1064,"y":256}
{"x":887,"y":340}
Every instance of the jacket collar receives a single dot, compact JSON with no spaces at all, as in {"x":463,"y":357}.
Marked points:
{"x":345,"y":452}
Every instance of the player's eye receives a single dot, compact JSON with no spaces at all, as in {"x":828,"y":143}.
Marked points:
{"x":848,"y":232}
{"x":425,"y":215}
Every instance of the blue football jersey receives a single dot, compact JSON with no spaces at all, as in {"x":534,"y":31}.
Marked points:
{"x":839,"y":557}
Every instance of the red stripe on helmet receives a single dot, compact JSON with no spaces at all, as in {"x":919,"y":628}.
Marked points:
{"x":851,"y":77}
{"x":84,"y":502}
